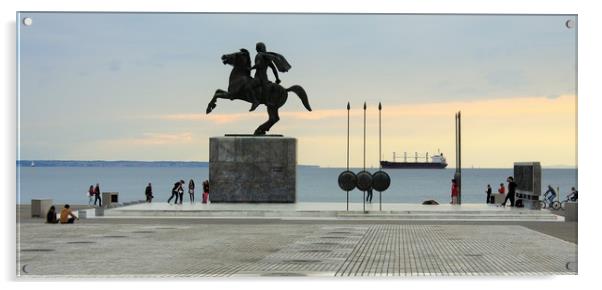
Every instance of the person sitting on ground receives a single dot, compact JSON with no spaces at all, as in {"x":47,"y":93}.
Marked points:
{"x":552,"y":193}
{"x":67,"y":217}
{"x":573,"y":195}
{"x":51,"y":216}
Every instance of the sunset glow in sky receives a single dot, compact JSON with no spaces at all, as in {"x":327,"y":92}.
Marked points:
{"x":135,"y":86}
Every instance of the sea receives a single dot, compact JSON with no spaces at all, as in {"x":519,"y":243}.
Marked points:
{"x":68,"y":182}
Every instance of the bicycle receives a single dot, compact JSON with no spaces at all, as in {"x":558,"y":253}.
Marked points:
{"x":564,"y":202}
{"x":554,"y":204}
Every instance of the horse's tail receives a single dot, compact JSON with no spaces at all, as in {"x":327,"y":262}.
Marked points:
{"x":300,"y":92}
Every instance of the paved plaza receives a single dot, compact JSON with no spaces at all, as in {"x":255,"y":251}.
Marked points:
{"x":195,"y":248}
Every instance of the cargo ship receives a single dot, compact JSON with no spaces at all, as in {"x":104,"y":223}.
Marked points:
{"x":436,"y":161}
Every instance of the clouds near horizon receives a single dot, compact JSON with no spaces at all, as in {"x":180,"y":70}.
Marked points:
{"x":135,"y":86}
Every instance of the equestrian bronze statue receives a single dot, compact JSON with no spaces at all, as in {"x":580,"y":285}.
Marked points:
{"x":259,"y":89}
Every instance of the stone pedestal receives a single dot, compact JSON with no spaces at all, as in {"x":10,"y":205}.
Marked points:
{"x":527,"y":176}
{"x":252,"y":169}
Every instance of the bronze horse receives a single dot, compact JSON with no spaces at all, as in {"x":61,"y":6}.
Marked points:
{"x":273,"y":96}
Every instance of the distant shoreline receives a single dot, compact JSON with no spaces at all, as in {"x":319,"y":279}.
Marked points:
{"x":188,"y":164}
{"x":117,"y":163}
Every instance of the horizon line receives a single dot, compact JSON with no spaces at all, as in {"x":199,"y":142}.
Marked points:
{"x":556,"y":166}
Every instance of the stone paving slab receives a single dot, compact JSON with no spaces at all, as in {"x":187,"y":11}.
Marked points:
{"x":274,"y":250}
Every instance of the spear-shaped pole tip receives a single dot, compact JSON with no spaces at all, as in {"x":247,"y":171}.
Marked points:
{"x":348,"y":106}
{"x":380,"y":107}
{"x":364,"y":105}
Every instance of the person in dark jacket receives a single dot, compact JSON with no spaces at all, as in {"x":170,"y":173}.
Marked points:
{"x":488,"y":191}
{"x":175,"y":191}
{"x":97,"y":195}
{"x":51,"y":216}
{"x":148,"y":192}
{"x":191,"y":190}
{"x":205,"y":191}
{"x":511,"y":191}
{"x":369,"y":195}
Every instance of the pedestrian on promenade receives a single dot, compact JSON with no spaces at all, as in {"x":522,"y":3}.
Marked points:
{"x":97,"y":195}
{"x":488,"y":191}
{"x":502,"y":189}
{"x":205,"y":191}
{"x":191,"y":190}
{"x":90,"y":195}
{"x":454,"y":192}
{"x":181,"y":191}
{"x":369,"y":195}
{"x":148,"y":192}
{"x":67,"y":216}
{"x":511,"y":191}
{"x":174,"y":191}
{"x":51,"y":216}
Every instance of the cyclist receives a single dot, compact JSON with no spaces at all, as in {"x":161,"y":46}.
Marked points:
{"x":552,"y":193}
{"x":573,"y":195}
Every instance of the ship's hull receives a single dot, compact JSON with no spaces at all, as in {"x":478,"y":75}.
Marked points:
{"x":412,"y":165}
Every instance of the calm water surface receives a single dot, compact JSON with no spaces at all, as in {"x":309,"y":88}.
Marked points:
{"x":70,"y":184}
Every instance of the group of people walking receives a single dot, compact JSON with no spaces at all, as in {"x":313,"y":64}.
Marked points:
{"x":177,"y":192}
{"x":94,"y":195}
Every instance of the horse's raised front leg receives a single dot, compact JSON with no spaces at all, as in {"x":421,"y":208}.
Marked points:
{"x":263,"y":128}
{"x":219,"y":94}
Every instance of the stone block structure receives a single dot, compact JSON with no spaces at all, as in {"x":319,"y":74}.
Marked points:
{"x":253,"y":169}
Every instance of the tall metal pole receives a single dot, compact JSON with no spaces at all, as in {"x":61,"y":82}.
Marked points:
{"x":364,"y":199}
{"x":380,"y":107}
{"x":348,"y":109}
{"x":460,"y":154}
{"x":364,"y":136}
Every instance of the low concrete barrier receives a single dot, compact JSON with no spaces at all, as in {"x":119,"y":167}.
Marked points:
{"x":87,"y":213}
{"x":39,"y":207}
{"x":110,"y":199}
{"x":498,"y":198}
{"x":571,"y":212}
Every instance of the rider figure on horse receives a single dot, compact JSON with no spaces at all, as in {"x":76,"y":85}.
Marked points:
{"x":263,"y":60}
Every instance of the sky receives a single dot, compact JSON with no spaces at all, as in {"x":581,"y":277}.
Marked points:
{"x":123,"y":86}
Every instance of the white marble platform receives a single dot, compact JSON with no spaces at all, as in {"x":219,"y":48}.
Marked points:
{"x":312,"y":210}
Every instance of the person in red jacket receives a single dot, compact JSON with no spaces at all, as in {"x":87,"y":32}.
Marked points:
{"x":205,"y":191}
{"x":454,"y":192}
{"x":502,"y":189}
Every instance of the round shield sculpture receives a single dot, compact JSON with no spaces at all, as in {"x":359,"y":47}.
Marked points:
{"x":381,"y":181}
{"x":347,"y":180}
{"x":364,"y":180}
